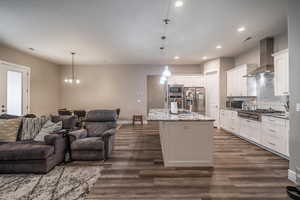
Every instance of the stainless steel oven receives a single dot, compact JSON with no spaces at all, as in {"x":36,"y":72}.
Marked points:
{"x":236,"y":104}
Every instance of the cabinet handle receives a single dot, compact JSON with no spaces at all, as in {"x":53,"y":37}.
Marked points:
{"x":272,"y":130}
{"x":271,"y":143}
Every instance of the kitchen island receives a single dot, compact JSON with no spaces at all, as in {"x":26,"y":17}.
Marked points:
{"x":186,"y":138}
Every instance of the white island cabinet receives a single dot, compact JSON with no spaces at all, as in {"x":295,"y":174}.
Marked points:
{"x":186,"y":139}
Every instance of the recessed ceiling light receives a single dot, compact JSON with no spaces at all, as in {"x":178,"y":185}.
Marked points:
{"x":176,"y":57}
{"x":204,"y":57}
{"x":241,"y":29}
{"x":219,"y":47}
{"x":178,"y":4}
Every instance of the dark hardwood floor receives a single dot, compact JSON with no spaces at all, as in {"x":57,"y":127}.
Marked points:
{"x":242,"y":171}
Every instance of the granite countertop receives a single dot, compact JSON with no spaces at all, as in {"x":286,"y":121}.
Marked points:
{"x":164,"y":115}
{"x":276,"y":115}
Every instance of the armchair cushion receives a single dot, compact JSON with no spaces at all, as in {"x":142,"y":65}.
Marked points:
{"x":78,"y":134}
{"x":89,"y":143}
{"x":96,"y":129}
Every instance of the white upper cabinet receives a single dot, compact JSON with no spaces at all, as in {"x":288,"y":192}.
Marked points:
{"x":281,"y":73}
{"x":238,"y":84}
{"x":187,"y":81}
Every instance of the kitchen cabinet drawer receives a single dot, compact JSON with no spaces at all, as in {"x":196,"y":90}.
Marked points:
{"x":275,"y":134}
{"x":251,"y":130}
{"x":273,"y":142}
{"x":273,"y":129}
{"x":273,"y":120}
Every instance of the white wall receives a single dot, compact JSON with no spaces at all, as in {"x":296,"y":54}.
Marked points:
{"x":44,"y":83}
{"x":294,"y":57}
{"x":114,"y":86}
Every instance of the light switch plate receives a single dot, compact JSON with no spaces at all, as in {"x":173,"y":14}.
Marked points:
{"x":297,"y":107}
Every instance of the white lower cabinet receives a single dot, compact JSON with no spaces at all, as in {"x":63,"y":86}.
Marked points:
{"x":250,"y":129}
{"x":275,"y":133}
{"x":271,"y":132}
{"x":229,"y":120}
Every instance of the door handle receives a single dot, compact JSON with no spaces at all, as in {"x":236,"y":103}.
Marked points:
{"x":2,"y":106}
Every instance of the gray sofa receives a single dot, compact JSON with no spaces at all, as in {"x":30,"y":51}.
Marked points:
{"x":28,"y":156}
{"x":31,"y":156}
{"x":95,"y":142}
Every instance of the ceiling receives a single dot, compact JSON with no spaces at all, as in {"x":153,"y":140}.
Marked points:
{"x":128,"y":32}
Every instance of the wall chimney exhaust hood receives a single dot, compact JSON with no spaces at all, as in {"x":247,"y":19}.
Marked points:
{"x":266,"y":47}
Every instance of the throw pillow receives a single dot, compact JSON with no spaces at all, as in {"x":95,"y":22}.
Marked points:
{"x":48,"y":128}
{"x":9,"y":129}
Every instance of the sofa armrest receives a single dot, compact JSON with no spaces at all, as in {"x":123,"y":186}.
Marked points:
{"x":59,"y":143}
{"x":52,"y":138}
{"x":78,"y":134}
{"x":61,"y":132}
{"x":109,"y":132}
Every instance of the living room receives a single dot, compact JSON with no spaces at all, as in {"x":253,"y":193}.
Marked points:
{"x":82,"y":70}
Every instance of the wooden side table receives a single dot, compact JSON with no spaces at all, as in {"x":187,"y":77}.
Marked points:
{"x":137,"y":118}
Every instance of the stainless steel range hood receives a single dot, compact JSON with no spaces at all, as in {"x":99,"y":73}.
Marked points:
{"x":266,"y":47}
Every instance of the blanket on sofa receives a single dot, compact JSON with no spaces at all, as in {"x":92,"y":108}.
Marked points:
{"x":31,"y":127}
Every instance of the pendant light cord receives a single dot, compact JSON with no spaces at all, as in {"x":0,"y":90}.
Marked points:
{"x":166,"y":21}
{"x":73,"y":73}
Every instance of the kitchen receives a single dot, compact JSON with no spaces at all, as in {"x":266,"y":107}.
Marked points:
{"x":250,"y":100}
{"x":257,"y":103}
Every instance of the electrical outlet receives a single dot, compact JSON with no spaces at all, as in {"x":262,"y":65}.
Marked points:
{"x":297,"y":107}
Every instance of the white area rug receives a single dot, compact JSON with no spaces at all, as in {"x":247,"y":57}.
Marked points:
{"x":61,"y":183}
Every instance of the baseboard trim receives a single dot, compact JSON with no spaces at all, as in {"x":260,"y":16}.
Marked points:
{"x":130,"y":122}
{"x":292,"y":175}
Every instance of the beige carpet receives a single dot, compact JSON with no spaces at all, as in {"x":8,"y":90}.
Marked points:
{"x":63,"y":182}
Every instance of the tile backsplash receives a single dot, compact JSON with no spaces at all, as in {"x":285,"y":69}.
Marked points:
{"x":265,"y":94}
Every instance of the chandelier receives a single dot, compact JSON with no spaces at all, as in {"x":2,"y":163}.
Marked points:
{"x":73,"y":78}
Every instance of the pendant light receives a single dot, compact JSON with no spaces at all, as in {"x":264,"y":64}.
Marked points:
{"x":167,"y":72}
{"x":73,"y":79}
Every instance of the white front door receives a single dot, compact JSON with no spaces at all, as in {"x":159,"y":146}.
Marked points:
{"x":212,"y":96}
{"x":14,"y":93}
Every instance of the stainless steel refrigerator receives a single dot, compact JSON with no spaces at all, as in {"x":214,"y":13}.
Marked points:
{"x":194,"y":99}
